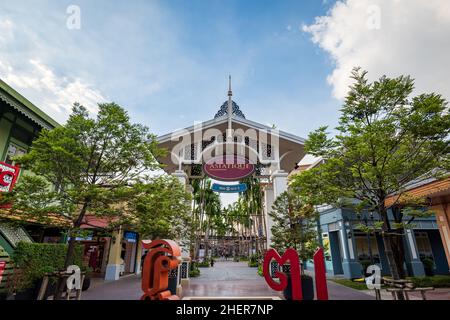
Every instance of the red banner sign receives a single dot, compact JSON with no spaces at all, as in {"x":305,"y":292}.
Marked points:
{"x":228,"y":168}
{"x":8,"y":176}
{"x":2,"y":269}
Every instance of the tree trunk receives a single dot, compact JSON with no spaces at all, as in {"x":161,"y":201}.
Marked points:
{"x":396,"y":270}
{"x":70,"y":250}
{"x":192,"y":235}
{"x":207,"y":241}
{"x":399,"y":252}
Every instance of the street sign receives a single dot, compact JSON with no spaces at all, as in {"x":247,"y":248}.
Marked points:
{"x":241,"y":187}
{"x":130,"y":236}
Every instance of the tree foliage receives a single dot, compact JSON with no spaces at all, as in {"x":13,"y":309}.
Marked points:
{"x":93,"y":165}
{"x":385,"y":139}
{"x":159,"y":208}
{"x":294,"y":225}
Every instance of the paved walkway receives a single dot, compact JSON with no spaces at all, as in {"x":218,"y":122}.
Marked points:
{"x":436,"y":294}
{"x":127,"y":288}
{"x":229,"y":279}
{"x":225,"y":279}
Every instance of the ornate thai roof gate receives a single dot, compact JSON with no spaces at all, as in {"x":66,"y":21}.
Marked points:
{"x":228,"y":142}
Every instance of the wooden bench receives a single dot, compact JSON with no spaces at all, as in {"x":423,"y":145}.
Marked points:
{"x":64,"y":276}
{"x":404,"y":286}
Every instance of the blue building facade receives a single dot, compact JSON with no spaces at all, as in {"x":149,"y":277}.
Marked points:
{"x":349,"y":251}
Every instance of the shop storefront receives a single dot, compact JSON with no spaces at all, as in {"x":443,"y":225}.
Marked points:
{"x":350,"y":251}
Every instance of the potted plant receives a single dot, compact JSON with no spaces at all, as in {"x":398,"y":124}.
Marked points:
{"x":194,"y":271}
{"x":253,"y":261}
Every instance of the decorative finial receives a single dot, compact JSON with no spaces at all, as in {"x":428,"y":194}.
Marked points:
{"x":229,"y":87}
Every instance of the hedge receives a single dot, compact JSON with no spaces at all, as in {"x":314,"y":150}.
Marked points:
{"x":437,"y":281}
{"x":32,"y":260}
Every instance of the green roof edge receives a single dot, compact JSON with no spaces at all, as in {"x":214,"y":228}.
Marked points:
{"x":26,"y":103}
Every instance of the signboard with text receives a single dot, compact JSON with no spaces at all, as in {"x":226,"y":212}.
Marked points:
{"x":221,"y":188}
{"x":228,"y":168}
{"x":8,"y":176}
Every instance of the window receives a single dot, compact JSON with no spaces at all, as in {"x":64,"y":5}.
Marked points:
{"x":423,"y":244}
{"x":13,"y":151}
{"x":362,"y":247}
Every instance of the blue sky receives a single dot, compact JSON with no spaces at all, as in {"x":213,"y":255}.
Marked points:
{"x":167,"y":62}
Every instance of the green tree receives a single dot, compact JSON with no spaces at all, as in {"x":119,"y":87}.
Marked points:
{"x":211,"y":212}
{"x":206,"y":214}
{"x":385,"y":139}
{"x":253,"y":206}
{"x":159,"y":208}
{"x":92,"y":164}
{"x":294,"y":225}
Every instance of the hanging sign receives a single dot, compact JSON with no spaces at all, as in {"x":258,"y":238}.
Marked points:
{"x":8,"y":176}
{"x":228,"y":168}
{"x":241,"y":187}
{"x":130,"y":236}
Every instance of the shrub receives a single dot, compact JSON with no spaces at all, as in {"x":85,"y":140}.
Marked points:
{"x":437,"y":281}
{"x":260,"y":271}
{"x":206,"y":263}
{"x":428,"y":265}
{"x":351,"y":284}
{"x":194,"y":271}
{"x":253,"y":262}
{"x":32,"y":260}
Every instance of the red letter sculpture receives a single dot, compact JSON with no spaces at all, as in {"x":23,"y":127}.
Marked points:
{"x":320,"y":275}
{"x":161,"y":258}
{"x":292,"y":256}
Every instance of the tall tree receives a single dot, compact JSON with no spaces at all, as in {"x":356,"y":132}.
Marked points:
{"x":385,"y":140}
{"x":159,"y":207}
{"x":253,"y":207}
{"x":92,"y":162}
{"x":294,"y":225}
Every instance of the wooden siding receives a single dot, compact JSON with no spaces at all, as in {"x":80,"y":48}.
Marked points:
{"x":427,"y":190}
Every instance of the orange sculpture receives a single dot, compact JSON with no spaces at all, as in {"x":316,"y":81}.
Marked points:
{"x":163,"y":256}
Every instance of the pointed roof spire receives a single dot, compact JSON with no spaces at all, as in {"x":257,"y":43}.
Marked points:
{"x":230,"y":93}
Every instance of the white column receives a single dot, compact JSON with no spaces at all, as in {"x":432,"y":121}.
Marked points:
{"x":182,"y":176}
{"x":279,"y":185}
{"x":137,"y":266}
{"x":280,"y":182}
{"x":114,"y":262}
{"x":268,"y":202}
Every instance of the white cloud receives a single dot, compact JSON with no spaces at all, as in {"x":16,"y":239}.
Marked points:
{"x":391,"y":37}
{"x":6,"y":29}
{"x":38,"y":83}
{"x":54,"y":94}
